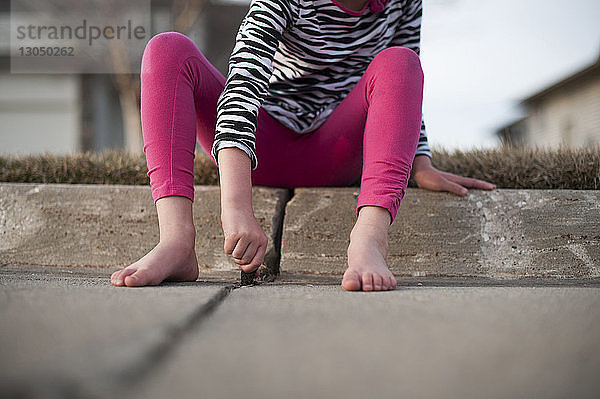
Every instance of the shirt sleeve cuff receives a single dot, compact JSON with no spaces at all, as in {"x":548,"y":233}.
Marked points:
{"x":220,"y":144}
{"x":424,"y":151}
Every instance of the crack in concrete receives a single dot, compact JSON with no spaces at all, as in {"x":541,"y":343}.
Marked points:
{"x":273,"y":256}
{"x":120,"y":382}
{"x":129,"y":377}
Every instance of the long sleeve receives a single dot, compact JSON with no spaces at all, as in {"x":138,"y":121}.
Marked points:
{"x":409,"y":35}
{"x":250,"y":68}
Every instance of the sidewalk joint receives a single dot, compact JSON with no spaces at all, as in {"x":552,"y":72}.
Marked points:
{"x":129,"y":377}
{"x":271,"y":270}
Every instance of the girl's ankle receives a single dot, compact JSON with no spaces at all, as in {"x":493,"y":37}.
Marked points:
{"x":374,"y":233}
{"x":183,"y":236}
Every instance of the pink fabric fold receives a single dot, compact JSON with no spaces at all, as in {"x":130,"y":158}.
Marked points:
{"x":377,"y":5}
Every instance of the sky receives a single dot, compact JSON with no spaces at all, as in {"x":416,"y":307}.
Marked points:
{"x":481,"y":57}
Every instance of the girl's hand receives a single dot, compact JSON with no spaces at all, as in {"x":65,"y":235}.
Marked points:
{"x":245,"y":241}
{"x":430,"y":178}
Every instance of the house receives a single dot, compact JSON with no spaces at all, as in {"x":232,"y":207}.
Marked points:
{"x":566,"y":113}
{"x":66,"y":113}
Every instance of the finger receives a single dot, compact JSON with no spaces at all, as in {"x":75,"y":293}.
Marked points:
{"x":469,"y":182}
{"x":436,"y":182}
{"x":229,"y":243}
{"x":240,"y":262}
{"x":260,"y":255}
{"x":240,"y":248}
{"x":450,"y":186}
{"x":248,"y":254}
{"x":258,"y":259}
{"x":474,"y":183}
{"x":484,"y":185}
{"x":249,"y":268}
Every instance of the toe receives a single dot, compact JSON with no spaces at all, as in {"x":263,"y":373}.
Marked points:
{"x":115,"y":278}
{"x":392,"y":283}
{"x":377,"y":282}
{"x":350,"y":281}
{"x":118,"y":277}
{"x":367,"y":281}
{"x":139,"y":278}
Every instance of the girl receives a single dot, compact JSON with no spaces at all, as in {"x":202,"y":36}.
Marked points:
{"x":319,"y":93}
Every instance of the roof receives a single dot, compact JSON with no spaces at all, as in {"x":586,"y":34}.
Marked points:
{"x":581,"y":75}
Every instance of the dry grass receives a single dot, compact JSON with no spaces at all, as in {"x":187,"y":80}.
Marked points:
{"x":109,"y":167}
{"x":527,"y":168}
{"x":506,"y":167}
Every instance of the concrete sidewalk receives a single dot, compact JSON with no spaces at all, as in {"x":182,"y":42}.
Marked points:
{"x":66,"y":333}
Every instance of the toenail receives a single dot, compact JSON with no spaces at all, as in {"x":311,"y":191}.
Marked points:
{"x":377,"y":287}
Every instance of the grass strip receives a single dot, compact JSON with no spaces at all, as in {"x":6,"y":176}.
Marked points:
{"x":507,"y":167}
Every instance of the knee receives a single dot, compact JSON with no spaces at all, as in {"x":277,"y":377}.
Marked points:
{"x":398,"y":61}
{"x":167,"y":47}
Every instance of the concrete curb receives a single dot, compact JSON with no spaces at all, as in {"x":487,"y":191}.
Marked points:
{"x":112,"y":225}
{"x":497,"y":234}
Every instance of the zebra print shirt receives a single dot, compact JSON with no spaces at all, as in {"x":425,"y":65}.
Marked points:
{"x":299,"y":58}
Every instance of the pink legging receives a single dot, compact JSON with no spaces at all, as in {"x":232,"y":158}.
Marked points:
{"x":374,"y":130}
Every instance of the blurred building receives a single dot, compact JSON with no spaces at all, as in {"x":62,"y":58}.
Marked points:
{"x":565,"y":113}
{"x":65,"y":113}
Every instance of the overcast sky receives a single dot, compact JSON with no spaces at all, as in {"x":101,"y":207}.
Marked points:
{"x":480,"y":57}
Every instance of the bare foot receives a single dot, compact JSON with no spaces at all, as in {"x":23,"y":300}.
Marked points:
{"x":168,"y":261}
{"x":367,"y":269}
{"x":174,"y":258}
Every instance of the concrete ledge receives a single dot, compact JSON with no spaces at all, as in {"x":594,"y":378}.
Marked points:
{"x":498,"y":234}
{"x":112,"y":226}
{"x":501,"y":234}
